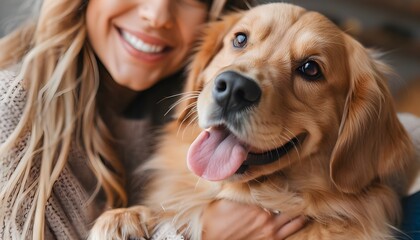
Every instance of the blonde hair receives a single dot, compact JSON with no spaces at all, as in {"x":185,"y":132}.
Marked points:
{"x":61,"y":79}
{"x":60,"y":106}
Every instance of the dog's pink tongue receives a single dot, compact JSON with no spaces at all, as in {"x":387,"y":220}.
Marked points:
{"x":215,"y":155}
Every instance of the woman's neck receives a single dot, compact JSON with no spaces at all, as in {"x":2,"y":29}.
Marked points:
{"x":114,"y":98}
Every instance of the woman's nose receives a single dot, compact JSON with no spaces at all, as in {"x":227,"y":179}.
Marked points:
{"x":157,"y":13}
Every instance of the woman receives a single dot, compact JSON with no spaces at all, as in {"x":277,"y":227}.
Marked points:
{"x":79,"y":88}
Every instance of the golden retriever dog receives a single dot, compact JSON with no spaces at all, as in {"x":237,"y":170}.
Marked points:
{"x":283,"y":110}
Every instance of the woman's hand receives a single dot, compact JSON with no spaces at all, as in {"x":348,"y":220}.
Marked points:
{"x":225,"y":219}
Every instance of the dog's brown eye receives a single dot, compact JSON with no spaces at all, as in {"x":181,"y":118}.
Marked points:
{"x":240,"y":40}
{"x":310,"y":70}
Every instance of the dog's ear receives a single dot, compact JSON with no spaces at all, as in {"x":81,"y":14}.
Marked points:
{"x":372,"y":143}
{"x":210,"y":44}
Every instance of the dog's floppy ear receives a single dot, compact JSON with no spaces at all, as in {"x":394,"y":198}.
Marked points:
{"x":371,"y":143}
{"x":210,"y":44}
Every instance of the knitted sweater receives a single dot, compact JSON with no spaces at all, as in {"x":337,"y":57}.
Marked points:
{"x":69,"y":215}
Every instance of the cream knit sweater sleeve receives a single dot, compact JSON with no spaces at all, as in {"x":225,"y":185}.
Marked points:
{"x":11,"y":106}
{"x":68,"y":212}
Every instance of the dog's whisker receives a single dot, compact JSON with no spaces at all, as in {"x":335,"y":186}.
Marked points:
{"x":192,"y":111}
{"x":263,"y":126}
{"x":189,"y":106}
{"x":192,"y":105}
{"x":191,"y":122}
{"x":183,"y":99}
{"x":282,"y":138}
{"x":183,"y":94}
{"x":179,"y":101}
{"x":295,"y":145}
{"x":179,"y":94}
{"x":189,"y":96}
{"x":252,"y":195}
{"x":194,"y":119}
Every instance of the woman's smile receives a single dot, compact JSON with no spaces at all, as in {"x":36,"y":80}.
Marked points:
{"x":143,"y":47}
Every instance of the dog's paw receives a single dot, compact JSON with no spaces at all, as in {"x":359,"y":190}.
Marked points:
{"x":132,"y":223}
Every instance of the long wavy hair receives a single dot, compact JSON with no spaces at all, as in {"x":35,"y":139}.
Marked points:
{"x":61,"y":80}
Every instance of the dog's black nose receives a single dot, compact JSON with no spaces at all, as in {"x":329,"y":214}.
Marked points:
{"x":234,"y":92}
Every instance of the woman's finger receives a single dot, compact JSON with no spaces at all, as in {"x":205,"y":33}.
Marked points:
{"x":291,"y":227}
{"x":282,"y":219}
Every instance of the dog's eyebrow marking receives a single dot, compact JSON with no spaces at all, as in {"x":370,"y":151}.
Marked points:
{"x":294,"y":19}
{"x":297,"y":17}
{"x":266,"y":32}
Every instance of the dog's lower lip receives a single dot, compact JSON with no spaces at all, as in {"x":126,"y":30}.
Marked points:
{"x":270,"y":156}
{"x":242,"y":169}
{"x":253,"y":150}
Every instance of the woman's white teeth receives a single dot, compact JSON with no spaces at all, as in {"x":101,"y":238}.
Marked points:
{"x":140,"y":45}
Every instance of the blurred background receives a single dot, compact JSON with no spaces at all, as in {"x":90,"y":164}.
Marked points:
{"x":390,"y":26}
{"x":12,"y":12}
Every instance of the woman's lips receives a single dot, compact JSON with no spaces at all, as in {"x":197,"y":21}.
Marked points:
{"x":142,"y":46}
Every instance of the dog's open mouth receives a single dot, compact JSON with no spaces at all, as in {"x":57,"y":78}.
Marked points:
{"x":217,"y":154}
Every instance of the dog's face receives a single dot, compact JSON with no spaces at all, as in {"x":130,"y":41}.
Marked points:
{"x":278,"y":85}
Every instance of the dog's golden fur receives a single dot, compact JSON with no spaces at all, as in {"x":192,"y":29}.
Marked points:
{"x":347,"y":172}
